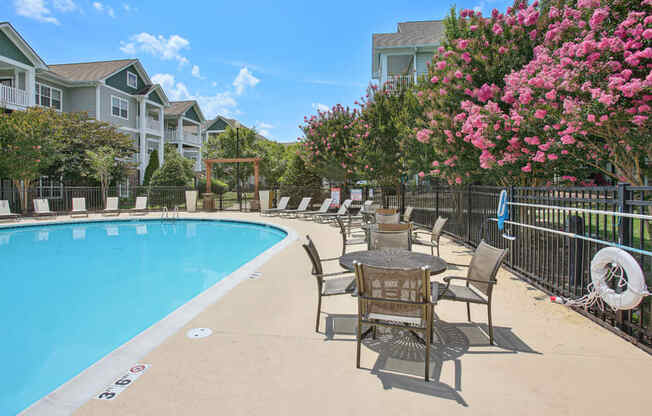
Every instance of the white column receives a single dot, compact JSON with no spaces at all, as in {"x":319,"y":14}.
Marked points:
{"x":98,"y":102}
{"x":383,"y":69}
{"x":30,"y":85}
{"x":414,"y":64}
{"x":161,"y":143}
{"x":180,"y":135}
{"x":143,"y":140}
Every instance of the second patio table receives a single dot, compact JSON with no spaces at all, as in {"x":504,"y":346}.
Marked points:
{"x":394,"y":258}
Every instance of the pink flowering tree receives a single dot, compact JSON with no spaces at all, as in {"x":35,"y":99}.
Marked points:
{"x":330,"y":145}
{"x":469,"y":67}
{"x":584,"y":98}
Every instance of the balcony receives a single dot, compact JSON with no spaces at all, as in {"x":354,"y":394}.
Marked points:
{"x":153,"y":124}
{"x":194,"y":155}
{"x":398,"y":82}
{"x":13,"y":96}
{"x":188,"y":137}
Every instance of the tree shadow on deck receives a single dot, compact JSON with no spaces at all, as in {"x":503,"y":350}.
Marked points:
{"x":401,"y":355}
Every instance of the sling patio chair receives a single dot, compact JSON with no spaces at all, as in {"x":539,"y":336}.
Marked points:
{"x":42,"y":208}
{"x":322,"y":210}
{"x":282,"y":205}
{"x":364,"y":212}
{"x":111,"y":206}
{"x":79,"y":208}
{"x":5,"y":211}
{"x":387,"y":216}
{"x":330,"y":216}
{"x":346,"y":234}
{"x":480,"y":280}
{"x":390,"y":236}
{"x":430,"y":238}
{"x":398,"y":298}
{"x":303,"y":207}
{"x":407,"y":215}
{"x":328,"y":284}
{"x":141,"y":206}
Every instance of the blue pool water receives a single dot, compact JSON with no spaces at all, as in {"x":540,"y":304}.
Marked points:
{"x":72,"y":293}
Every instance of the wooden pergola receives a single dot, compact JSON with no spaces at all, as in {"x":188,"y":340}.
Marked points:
{"x":254,"y":160}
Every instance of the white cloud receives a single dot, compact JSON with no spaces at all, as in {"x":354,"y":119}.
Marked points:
{"x":264,"y":125}
{"x":320,"y":107}
{"x":110,"y":11}
{"x":264,"y":128}
{"x":222,"y":103}
{"x":159,"y":46}
{"x":214,"y":84}
{"x":174,"y":90}
{"x":195,"y":72}
{"x":243,"y":80}
{"x":98,"y":6}
{"x":102,"y":8}
{"x":64,"y":5}
{"x":35,"y":9}
{"x":129,"y":8}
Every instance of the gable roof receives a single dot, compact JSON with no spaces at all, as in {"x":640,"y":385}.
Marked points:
{"x":178,"y":108}
{"x":91,"y":71}
{"x":428,"y":32}
{"x":22,"y":45}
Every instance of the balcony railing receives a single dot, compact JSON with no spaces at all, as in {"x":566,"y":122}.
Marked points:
{"x":13,"y":96}
{"x":397,"y":82}
{"x":188,"y":137}
{"x":153,"y":124}
{"x":194,"y":156}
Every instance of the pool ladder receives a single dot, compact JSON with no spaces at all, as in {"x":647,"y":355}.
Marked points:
{"x":165,"y":215}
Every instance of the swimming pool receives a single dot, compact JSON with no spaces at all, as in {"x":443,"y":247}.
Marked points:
{"x":72,"y":293}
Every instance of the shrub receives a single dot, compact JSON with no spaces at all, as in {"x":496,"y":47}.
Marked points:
{"x":152,"y":166}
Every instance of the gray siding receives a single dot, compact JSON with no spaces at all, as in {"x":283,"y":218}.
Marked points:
{"x":105,"y":108}
{"x":80,"y":99}
{"x":65,"y":102}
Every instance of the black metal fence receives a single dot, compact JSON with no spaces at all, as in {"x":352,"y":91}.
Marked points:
{"x":556,"y":263}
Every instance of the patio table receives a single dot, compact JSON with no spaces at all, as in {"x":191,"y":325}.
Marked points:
{"x":394,"y":257}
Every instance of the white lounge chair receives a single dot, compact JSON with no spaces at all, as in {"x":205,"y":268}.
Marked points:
{"x":5,"y":211}
{"x":282,"y":205}
{"x":42,"y":208}
{"x":79,"y":208}
{"x":303,"y":207}
{"x":322,"y":209}
{"x":141,"y":206}
{"x":331,"y":215}
{"x":111,"y":206}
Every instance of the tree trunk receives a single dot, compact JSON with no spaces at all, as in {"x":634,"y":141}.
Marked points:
{"x":23,"y":191}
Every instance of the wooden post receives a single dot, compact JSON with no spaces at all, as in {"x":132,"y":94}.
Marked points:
{"x":208,"y":177}
{"x":256,"y":179}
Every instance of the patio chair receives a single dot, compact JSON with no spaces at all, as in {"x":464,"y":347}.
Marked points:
{"x":346,"y":241}
{"x":282,"y":205}
{"x":5,"y":211}
{"x":407,"y":215}
{"x":42,"y":208}
{"x":398,"y":298}
{"x":399,"y":238}
{"x":480,"y":280}
{"x":431,"y":237}
{"x":303,"y":207}
{"x":329,"y":216}
{"x":79,"y":208}
{"x":141,"y":206}
{"x":328,"y":284}
{"x":322,"y":210}
{"x":387,"y":216}
{"x":111,"y":206}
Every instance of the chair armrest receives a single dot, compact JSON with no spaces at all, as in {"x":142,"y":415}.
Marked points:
{"x":332,"y":259}
{"x":336,"y":274}
{"x":448,"y":279}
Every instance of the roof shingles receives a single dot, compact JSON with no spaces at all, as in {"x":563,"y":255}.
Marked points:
{"x":90,"y":71}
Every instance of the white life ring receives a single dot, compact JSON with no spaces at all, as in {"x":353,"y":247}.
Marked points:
{"x":636,"y":286}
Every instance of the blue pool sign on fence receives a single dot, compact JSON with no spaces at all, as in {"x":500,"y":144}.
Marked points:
{"x":356,"y":194}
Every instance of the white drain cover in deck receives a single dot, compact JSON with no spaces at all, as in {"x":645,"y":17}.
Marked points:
{"x":199,"y":333}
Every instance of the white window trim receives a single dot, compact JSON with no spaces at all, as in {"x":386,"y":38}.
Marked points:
{"x":120,"y":99}
{"x":37,"y":87}
{"x":135,"y":77}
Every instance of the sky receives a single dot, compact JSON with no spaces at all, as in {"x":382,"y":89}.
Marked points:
{"x":266,"y":63}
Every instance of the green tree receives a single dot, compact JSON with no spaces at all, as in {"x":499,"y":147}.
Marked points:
{"x":176,"y":171}
{"x":29,"y":144}
{"x":152,"y":166}
{"x":102,"y":162}
{"x":299,"y":180}
{"x":231,"y":143}
{"x":273,"y":160}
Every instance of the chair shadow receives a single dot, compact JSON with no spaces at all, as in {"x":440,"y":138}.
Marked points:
{"x":401,"y":356}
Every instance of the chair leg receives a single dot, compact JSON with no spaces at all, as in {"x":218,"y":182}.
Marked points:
{"x":318,"y":312}
{"x":468,"y":311}
{"x":359,"y":340}
{"x":373,"y":332}
{"x":432,"y":251}
{"x":428,"y":342}
{"x":438,"y":249}
{"x":491,"y":328}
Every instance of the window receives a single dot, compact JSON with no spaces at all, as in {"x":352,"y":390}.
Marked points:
{"x":119,"y":107}
{"x":47,"y":96}
{"x":132,"y":80}
{"x":123,"y":189}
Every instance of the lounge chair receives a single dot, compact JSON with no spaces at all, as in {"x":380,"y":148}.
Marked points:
{"x":111,"y":206}
{"x":303,"y":207}
{"x":398,"y":298}
{"x":42,"y":208}
{"x":79,"y":208}
{"x":340,"y":283}
{"x":282,"y":205}
{"x":407,"y":215}
{"x":346,"y":240}
{"x":480,"y":280}
{"x":5,"y":211}
{"x":329,"y":216}
{"x":387,"y":216}
{"x":141,"y":206}
{"x":390,"y":236}
{"x":430,"y":239}
{"x":322,"y":210}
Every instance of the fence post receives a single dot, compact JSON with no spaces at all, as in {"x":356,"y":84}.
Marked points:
{"x":468,"y":214}
{"x":624,"y":223}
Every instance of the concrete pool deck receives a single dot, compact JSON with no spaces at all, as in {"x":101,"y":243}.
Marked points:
{"x":264,"y":356}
